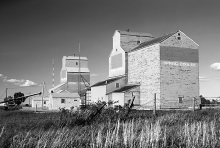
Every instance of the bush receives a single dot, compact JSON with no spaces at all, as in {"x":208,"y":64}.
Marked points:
{"x":110,"y":128}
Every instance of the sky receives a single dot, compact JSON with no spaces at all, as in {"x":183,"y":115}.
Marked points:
{"x":34,"y":32}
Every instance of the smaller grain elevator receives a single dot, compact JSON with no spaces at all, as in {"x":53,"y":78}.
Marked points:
{"x":73,"y":75}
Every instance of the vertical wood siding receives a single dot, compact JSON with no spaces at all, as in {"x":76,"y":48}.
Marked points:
{"x":111,"y":86}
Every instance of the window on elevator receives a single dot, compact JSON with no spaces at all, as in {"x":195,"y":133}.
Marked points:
{"x":62,"y":100}
{"x":117,"y":85}
{"x":180,"y":97}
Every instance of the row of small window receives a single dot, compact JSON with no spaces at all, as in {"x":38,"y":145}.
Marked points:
{"x":179,"y":38}
{"x":100,"y":98}
{"x":64,"y":100}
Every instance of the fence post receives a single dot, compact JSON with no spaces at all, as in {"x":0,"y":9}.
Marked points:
{"x":194,"y":103}
{"x":154,"y":111}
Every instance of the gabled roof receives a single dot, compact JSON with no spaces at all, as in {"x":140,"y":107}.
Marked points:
{"x":65,"y":95}
{"x":59,"y":85}
{"x":105,"y":82}
{"x":135,"y":33}
{"x":63,"y":91}
{"x":74,"y":58}
{"x":124,"y":88}
{"x":154,"y":41}
{"x":39,"y":98}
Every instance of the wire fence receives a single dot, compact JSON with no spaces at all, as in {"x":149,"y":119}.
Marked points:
{"x":3,"y":95}
{"x":154,"y":104}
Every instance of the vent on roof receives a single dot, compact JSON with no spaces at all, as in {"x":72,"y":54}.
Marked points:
{"x":138,"y":42}
{"x":179,"y":38}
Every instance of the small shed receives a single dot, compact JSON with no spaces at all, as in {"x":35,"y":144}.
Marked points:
{"x":125,"y":94}
{"x":100,"y":90}
{"x":37,"y":102}
{"x":64,"y":100}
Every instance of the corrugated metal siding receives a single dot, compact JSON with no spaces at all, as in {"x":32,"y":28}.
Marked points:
{"x":74,"y":77}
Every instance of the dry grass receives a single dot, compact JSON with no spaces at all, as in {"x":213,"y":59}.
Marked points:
{"x":132,"y":134}
{"x":177,"y":129}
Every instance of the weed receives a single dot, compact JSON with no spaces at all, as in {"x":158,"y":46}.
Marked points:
{"x":140,"y":129}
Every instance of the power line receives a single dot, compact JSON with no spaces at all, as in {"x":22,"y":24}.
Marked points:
{"x":3,"y":94}
{"x":46,"y":88}
{"x":144,"y":104}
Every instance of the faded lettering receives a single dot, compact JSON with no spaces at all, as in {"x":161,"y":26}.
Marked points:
{"x":174,"y":63}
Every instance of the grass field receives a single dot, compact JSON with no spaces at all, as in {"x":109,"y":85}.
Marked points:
{"x":140,"y":129}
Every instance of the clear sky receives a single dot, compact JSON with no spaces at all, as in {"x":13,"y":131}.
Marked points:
{"x":34,"y":32}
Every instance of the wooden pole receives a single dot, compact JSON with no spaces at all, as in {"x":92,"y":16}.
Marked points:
{"x":42,"y":95}
{"x":53,"y":75}
{"x":29,"y":101}
{"x":154,"y":111}
{"x":6,"y":92}
{"x":79,"y":73}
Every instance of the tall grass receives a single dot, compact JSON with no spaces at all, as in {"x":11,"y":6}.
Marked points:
{"x":132,"y":134}
{"x":168,"y":129}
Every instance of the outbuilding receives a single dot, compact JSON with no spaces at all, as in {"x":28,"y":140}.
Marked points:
{"x":125,"y":94}
{"x":64,"y":100}
{"x":37,"y":102}
{"x":100,"y":90}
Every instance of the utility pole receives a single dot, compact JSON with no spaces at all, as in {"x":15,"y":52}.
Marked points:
{"x":42,"y":95}
{"x":6,"y":92}
{"x":53,"y":75}
{"x":79,"y":87}
{"x":29,"y":100}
